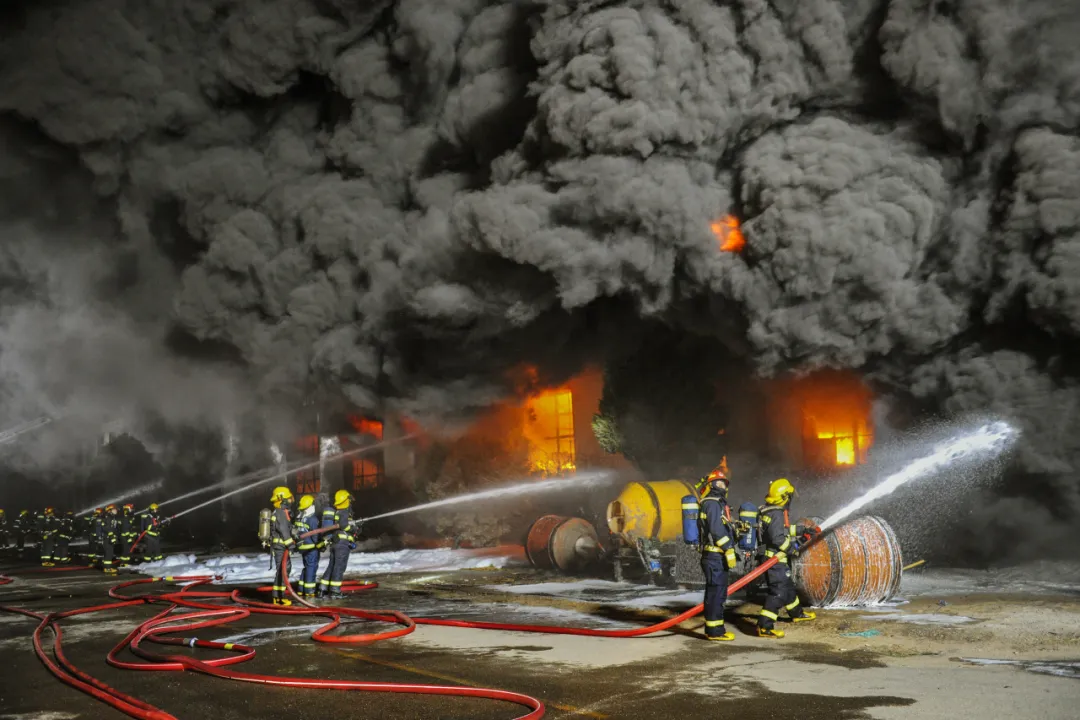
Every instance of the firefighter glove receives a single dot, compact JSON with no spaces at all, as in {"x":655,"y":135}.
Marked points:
{"x":730,"y":557}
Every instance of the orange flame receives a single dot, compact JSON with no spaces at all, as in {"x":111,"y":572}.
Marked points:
{"x":728,"y":234}
{"x":364,"y":426}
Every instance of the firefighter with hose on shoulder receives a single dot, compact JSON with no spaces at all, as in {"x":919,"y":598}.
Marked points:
{"x":782,"y":540}
{"x":341,"y":543}
{"x":717,"y":552}
{"x":306,"y":520}
{"x":282,"y":539}
{"x":48,"y":524}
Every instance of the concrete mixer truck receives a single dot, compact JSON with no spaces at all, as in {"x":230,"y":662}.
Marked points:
{"x":859,"y":562}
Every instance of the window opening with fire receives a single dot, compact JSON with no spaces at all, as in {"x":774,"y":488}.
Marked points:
{"x":367,"y":474}
{"x":549,"y":429}
{"x":837,"y":442}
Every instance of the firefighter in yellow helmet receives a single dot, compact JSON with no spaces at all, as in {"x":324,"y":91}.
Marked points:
{"x":151,"y":523}
{"x":341,"y":542}
{"x":282,"y":538}
{"x":305,"y":521}
{"x":782,"y":540}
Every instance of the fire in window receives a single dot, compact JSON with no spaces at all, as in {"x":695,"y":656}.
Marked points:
{"x":549,"y":429}
{"x":837,"y":431}
{"x":367,"y":474}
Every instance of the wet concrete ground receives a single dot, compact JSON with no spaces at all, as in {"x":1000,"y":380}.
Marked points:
{"x":810,"y":675}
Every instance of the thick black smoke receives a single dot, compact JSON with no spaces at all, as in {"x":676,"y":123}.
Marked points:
{"x":394,"y":203}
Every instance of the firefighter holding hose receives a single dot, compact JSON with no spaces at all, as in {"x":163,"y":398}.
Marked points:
{"x":151,"y":523}
{"x":717,"y":552}
{"x":782,"y":540}
{"x":127,"y":532}
{"x":341,"y":543}
{"x":306,"y":521}
{"x":282,"y":539}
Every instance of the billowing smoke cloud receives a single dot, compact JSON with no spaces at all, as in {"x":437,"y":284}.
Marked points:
{"x":393,"y":203}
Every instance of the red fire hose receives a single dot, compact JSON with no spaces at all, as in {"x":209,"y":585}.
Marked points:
{"x":208,"y":615}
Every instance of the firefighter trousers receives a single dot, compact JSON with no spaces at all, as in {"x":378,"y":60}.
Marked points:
{"x":60,"y":554}
{"x":335,"y":571}
{"x":716,"y":585}
{"x":781,"y":596}
{"x":107,"y":553}
{"x":126,"y":541}
{"x":20,"y":540}
{"x":48,"y":542}
{"x":280,"y":577}
{"x":311,"y":569}
{"x":152,"y":551}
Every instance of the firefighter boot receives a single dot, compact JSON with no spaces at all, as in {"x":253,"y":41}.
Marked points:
{"x":728,"y":635}
{"x":772,"y":633}
{"x":806,"y":616}
{"x":284,"y":602}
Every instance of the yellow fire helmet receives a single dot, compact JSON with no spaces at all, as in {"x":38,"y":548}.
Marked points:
{"x":306,"y":501}
{"x":153,"y":506}
{"x":48,"y":511}
{"x":342,"y":498}
{"x":111,"y":509}
{"x":780,"y":491}
{"x":280,"y":495}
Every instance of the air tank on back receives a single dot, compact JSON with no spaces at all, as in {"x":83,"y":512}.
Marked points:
{"x":857,"y":563}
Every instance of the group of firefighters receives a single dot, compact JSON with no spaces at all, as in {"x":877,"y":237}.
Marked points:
{"x":112,"y":533}
{"x":302,"y":530}
{"x":781,"y":538}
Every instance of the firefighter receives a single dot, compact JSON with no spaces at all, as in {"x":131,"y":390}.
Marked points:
{"x":21,"y":526}
{"x":152,"y":524}
{"x":91,"y":526}
{"x":127,"y":533}
{"x":282,"y":539}
{"x":63,"y":538}
{"x":3,"y":529}
{"x":341,"y":543}
{"x":109,"y":538}
{"x":717,"y":552}
{"x":782,"y":540}
{"x":47,"y":526}
{"x":306,"y":521}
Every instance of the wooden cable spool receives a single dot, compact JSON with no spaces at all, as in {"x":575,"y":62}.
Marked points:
{"x":858,"y":563}
{"x":561,"y":543}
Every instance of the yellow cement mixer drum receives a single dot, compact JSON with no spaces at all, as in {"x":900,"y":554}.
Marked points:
{"x":651,"y":510}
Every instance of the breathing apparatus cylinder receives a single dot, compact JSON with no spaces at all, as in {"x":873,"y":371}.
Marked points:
{"x":690,"y":510}
{"x":748,"y":527}
{"x":265,"y":518}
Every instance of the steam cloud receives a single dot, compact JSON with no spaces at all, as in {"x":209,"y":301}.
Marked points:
{"x":398,"y":201}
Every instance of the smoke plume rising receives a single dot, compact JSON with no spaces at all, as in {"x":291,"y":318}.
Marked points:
{"x":228,"y":204}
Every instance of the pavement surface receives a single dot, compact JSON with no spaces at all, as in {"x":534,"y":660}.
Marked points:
{"x":974,"y":655}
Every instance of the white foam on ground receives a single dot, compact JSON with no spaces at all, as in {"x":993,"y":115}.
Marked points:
{"x":921,"y":619}
{"x":1037,"y":578}
{"x":1058,"y":668}
{"x":256,"y":568}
